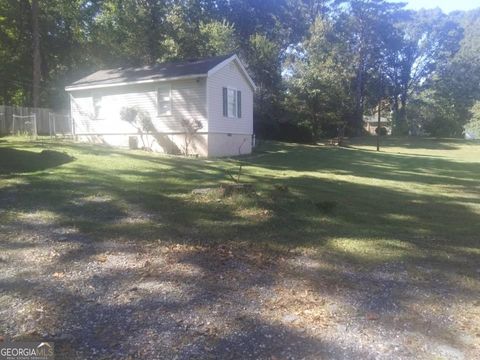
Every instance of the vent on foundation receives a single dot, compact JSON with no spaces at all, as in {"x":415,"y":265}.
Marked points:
{"x":133,"y":142}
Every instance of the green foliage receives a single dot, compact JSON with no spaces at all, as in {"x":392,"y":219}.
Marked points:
{"x":372,"y":51}
{"x":430,"y":41}
{"x":15,"y":52}
{"x":319,"y":65}
{"x":218,"y":38}
{"x":128,"y":32}
{"x":473,"y":126}
{"x":451,"y":92}
{"x":365,"y":28}
{"x":262,"y":57}
{"x":381,"y":130}
{"x":319,"y":84}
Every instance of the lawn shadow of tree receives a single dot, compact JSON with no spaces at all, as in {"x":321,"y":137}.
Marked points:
{"x":14,"y":161}
{"x":102,"y":207}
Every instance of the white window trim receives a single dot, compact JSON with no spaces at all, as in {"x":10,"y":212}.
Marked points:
{"x":236,"y":103}
{"x":169,"y":113}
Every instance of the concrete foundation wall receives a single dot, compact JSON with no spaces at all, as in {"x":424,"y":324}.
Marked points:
{"x":204,"y":145}
{"x":229,"y":144}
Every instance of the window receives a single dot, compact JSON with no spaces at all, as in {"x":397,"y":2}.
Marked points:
{"x":164,"y":100}
{"x":232,"y":103}
{"x":97,"y":105}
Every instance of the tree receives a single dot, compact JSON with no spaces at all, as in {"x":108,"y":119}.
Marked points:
{"x":15,"y":52}
{"x":217,"y":38}
{"x":36,"y":54}
{"x":444,"y":98}
{"x":317,"y":63}
{"x":264,"y":65}
{"x":364,"y":27}
{"x":429,"y":40}
{"x":473,"y":126}
{"x":129,"y":32}
{"x":319,"y":85}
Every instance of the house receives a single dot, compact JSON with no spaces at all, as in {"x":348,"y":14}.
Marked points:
{"x":198,"y":107}
{"x":370,"y":124}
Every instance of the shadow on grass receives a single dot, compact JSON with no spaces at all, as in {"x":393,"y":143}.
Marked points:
{"x":368,"y":164}
{"x":14,"y":161}
{"x":409,"y":142}
{"x":156,"y":205}
{"x":159,"y":189}
{"x":152,"y":204}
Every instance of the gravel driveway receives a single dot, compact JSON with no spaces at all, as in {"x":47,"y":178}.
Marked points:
{"x":133,"y":300}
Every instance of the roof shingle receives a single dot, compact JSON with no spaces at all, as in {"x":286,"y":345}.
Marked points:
{"x":154,"y":72}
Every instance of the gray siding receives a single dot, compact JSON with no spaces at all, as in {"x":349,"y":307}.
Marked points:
{"x":188,"y":101}
{"x":197,"y":98}
{"x":229,"y":76}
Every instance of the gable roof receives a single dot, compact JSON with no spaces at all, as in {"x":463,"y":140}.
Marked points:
{"x":156,"y":73}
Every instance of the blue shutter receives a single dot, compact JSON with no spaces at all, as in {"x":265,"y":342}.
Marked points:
{"x":239,"y":104}
{"x":225,"y":108}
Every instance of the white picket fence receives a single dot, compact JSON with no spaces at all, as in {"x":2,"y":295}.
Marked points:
{"x":33,"y":121}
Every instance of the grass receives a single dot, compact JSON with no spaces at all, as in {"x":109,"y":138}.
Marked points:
{"x":416,"y":200}
{"x":383,"y":246}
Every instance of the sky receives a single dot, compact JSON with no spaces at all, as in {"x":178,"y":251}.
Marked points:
{"x":446,"y":5}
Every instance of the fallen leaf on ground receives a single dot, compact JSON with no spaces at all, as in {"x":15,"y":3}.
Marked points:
{"x":101,"y":258}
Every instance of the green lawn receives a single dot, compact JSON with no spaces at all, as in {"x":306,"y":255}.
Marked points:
{"x":418,"y":199}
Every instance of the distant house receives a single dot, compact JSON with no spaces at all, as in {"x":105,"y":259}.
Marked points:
{"x":370,"y":124}
{"x":203,"y":107}
{"x":470,"y":135}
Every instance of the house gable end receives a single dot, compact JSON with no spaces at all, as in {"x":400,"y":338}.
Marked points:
{"x":242,"y":69}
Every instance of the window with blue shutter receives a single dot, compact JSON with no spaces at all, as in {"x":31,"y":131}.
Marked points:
{"x":232,"y":103}
{"x":239,"y":104}
{"x":225,"y":109}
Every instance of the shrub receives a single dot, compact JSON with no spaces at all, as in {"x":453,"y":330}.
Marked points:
{"x":382,"y":129}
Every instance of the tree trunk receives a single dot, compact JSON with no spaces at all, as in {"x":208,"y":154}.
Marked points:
{"x":400,"y":111}
{"x":404,"y":109}
{"x":395,"y":116}
{"x":315,"y":128}
{"x":36,"y":55}
{"x":380,"y":96}
{"x":357,"y":119}
{"x":379,"y":122}
{"x":152,"y":31}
